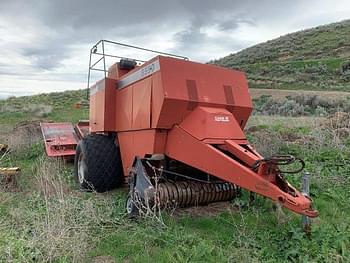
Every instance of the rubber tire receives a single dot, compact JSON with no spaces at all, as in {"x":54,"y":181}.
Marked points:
{"x":103,"y":169}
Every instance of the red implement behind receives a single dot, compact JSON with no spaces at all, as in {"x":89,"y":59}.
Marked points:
{"x":62,"y":138}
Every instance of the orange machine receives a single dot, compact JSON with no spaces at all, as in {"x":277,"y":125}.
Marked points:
{"x":175,"y":128}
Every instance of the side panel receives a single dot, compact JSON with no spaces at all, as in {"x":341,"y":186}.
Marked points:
{"x":187,"y":84}
{"x":165,"y":94}
{"x":140,"y":143}
{"x":171,"y":112}
{"x":102,"y":106}
{"x":97,"y":105}
{"x":133,"y":110}
{"x":110,"y":106}
{"x":157,"y":97}
{"x":204,"y":83}
{"x":141,"y":103}
{"x":124,"y":109}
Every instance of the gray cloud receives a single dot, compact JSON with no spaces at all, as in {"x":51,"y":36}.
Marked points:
{"x":234,"y":23}
{"x":47,"y":37}
{"x":190,"y":43}
{"x":67,"y":22}
{"x":45,"y":58}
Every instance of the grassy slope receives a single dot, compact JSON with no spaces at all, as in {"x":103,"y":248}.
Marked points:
{"x":66,"y":225}
{"x":61,"y":106}
{"x":311,"y":59}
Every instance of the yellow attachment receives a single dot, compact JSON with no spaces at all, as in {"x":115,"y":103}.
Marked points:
{"x":12,"y":171}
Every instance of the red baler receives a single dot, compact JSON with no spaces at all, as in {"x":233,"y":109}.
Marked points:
{"x":175,"y":128}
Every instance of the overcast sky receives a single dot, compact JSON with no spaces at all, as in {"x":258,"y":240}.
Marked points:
{"x":44,"y":44}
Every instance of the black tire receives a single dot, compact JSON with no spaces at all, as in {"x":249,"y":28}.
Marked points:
{"x":97,"y":163}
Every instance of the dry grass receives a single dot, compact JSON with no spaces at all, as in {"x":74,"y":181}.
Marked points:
{"x":37,"y":110}
{"x":150,"y":208}
{"x":325,"y":133}
{"x":271,"y":133}
{"x":22,"y":136}
{"x":279,"y":94}
{"x":60,"y":232}
{"x":50,"y":182}
{"x":62,"y":222}
{"x":289,"y":122}
{"x":268,"y":140}
{"x":8,"y":177}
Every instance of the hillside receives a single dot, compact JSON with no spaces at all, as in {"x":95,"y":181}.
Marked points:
{"x":58,"y":106}
{"x":312,"y":59}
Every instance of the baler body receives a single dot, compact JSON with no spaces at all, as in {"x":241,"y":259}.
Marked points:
{"x":144,"y":105}
{"x":182,"y":118}
{"x":193,"y":113}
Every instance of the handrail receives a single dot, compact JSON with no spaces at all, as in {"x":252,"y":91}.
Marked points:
{"x":103,"y":55}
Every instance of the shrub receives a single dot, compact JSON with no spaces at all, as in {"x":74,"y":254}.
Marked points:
{"x":300,"y":105}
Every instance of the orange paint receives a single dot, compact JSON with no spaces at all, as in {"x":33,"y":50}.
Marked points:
{"x":192,"y":112}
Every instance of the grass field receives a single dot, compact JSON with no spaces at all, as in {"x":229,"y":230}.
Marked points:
{"x":47,"y":219}
{"x":281,"y":94}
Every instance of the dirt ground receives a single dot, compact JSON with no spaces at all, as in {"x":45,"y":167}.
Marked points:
{"x":22,"y":134}
{"x":105,"y":259}
{"x":210,"y":210}
{"x":8,"y":181}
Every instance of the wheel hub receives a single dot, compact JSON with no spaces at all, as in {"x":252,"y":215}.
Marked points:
{"x":81,"y":169}
{"x":129,"y":205}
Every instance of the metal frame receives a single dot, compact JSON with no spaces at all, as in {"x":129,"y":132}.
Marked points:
{"x":102,"y":57}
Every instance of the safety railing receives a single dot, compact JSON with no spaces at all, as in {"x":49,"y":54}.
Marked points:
{"x":98,"y":55}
